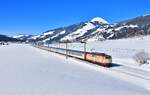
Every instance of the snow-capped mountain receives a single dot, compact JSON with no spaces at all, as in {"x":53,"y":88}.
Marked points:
{"x":95,"y":29}
{"x":22,"y":37}
{"x":79,"y":32}
{"x":125,"y":29}
{"x":72,"y":32}
{"x":6,"y":38}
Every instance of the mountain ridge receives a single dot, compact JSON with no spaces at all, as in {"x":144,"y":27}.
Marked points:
{"x":97,"y":28}
{"x":8,"y":39}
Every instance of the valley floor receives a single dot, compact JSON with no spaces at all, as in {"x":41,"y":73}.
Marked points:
{"x":121,"y":50}
{"x":25,"y":70}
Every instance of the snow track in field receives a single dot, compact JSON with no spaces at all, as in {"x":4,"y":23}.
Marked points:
{"x":141,"y":77}
{"x":135,"y":72}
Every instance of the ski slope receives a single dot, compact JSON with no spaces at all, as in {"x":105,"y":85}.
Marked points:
{"x":25,"y":70}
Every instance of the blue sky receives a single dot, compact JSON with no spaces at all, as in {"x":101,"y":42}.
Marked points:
{"x":37,"y":16}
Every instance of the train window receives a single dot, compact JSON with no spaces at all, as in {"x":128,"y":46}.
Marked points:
{"x":108,"y":57}
{"x":76,"y":53}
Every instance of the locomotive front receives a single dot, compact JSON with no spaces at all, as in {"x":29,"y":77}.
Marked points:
{"x":108,"y":60}
{"x":99,"y":58}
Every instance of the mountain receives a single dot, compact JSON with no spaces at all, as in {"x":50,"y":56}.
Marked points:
{"x":7,"y":39}
{"x":95,"y":29}
{"x":72,"y":32}
{"x":130,"y":28}
{"x":22,"y":37}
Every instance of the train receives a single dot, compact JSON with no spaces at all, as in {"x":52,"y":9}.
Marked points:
{"x":93,"y":57}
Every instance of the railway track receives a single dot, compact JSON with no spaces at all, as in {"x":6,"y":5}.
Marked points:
{"x":134,"y":72}
{"x":137,"y":76}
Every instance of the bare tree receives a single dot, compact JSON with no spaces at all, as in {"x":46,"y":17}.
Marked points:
{"x":141,"y":57}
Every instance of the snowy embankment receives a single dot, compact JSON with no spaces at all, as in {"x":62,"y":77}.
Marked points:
{"x":25,"y":70}
{"x":122,"y":51}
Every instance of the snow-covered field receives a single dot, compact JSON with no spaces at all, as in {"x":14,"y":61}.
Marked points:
{"x":25,"y":70}
{"x":121,"y":50}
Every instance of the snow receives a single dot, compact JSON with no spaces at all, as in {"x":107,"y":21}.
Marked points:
{"x":146,"y":15}
{"x":35,"y":37}
{"x":109,"y":30}
{"x":126,"y":26}
{"x":111,"y":35}
{"x":45,"y":40}
{"x":100,"y":20}
{"x":96,"y":38}
{"x":48,"y":33}
{"x":18,"y":36}
{"x":62,"y":32}
{"x":25,"y":70}
{"x":54,"y":36}
{"x":79,"y":32}
{"x":44,"y":35}
{"x":100,"y":29}
{"x":92,"y":39}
